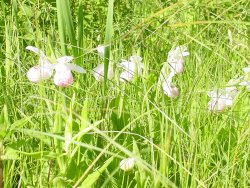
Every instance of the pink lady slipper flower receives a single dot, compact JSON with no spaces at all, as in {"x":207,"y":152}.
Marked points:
{"x":43,"y":70}
{"x":176,"y":59}
{"x":168,"y":89}
{"x":63,"y":76}
{"x":98,"y":72}
{"x":134,"y":65}
{"x":221,"y":99}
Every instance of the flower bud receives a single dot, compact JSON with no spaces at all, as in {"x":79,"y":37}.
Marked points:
{"x":127,"y":164}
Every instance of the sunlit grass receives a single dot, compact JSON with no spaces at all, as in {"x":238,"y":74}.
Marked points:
{"x":77,"y":136}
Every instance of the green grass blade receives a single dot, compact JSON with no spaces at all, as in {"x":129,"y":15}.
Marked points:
{"x":68,"y":20}
{"x":80,"y":35}
{"x":108,"y":38}
{"x":92,"y":178}
{"x":61,"y":28}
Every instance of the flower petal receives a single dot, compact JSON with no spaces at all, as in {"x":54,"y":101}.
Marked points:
{"x":135,"y":58}
{"x":212,"y":94}
{"x":176,"y":67}
{"x":101,"y":50}
{"x":245,"y":83}
{"x":126,"y":76}
{"x":75,"y":68}
{"x":98,"y":72}
{"x":170,"y":91}
{"x":36,"y":50}
{"x":63,"y":79}
{"x":127,"y":164}
{"x":185,"y":54}
{"x":65,"y":59}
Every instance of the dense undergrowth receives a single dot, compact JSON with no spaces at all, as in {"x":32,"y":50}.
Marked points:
{"x":77,"y":136}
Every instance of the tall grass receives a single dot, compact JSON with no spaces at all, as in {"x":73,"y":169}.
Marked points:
{"x":108,"y":38}
{"x":77,"y":136}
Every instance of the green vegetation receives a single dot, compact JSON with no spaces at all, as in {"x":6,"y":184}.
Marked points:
{"x":76,"y":136}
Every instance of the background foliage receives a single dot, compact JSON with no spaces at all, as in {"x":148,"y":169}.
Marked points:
{"x":76,"y":136}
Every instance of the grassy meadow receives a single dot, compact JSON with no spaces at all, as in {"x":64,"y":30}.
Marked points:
{"x":76,"y":136}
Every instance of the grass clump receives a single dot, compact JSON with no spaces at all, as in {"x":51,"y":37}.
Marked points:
{"x":77,"y":136}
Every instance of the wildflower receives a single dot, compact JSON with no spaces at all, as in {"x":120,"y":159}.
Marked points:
{"x":168,"y":89}
{"x":43,"y":70}
{"x":246,"y":81}
{"x":221,"y":99}
{"x":100,"y":50}
{"x":176,"y":59}
{"x":130,"y":67}
{"x":127,"y":164}
{"x":63,"y":76}
{"x":98,"y":72}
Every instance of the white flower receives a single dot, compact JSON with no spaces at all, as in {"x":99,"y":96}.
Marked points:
{"x":176,"y":59}
{"x":246,"y":83}
{"x":63,"y":76}
{"x":127,"y":164}
{"x":221,"y":99}
{"x":43,"y":70}
{"x":168,"y":89}
{"x":100,"y":50}
{"x":98,"y":72}
{"x":131,"y":67}
{"x":246,"y":69}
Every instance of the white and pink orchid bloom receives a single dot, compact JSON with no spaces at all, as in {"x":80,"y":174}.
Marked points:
{"x":134,"y":65}
{"x":101,"y":50}
{"x":43,"y":70}
{"x":63,"y":76}
{"x":98,"y":72}
{"x":221,"y":99}
{"x":175,"y":59}
{"x":168,"y":89}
